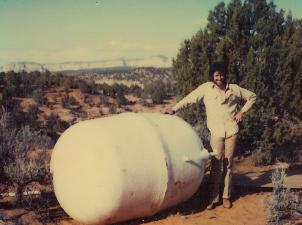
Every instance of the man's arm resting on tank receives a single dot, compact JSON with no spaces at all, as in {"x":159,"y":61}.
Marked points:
{"x":170,"y":112}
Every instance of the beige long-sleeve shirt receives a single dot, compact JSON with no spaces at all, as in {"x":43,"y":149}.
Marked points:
{"x":221,"y":106}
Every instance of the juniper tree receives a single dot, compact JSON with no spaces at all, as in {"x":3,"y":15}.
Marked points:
{"x":263,"y":51}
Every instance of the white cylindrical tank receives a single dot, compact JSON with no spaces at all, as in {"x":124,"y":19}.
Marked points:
{"x":126,"y":166}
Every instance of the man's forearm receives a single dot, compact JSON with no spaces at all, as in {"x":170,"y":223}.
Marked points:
{"x":250,"y":98}
{"x":191,"y":98}
{"x":179,"y":105}
{"x":248,"y":105}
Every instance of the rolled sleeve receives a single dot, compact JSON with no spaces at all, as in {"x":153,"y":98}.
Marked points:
{"x":191,"y":98}
{"x":250,"y":98}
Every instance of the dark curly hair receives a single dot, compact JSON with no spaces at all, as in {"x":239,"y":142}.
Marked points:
{"x":218,"y":66}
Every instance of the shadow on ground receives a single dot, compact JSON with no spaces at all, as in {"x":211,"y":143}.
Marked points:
{"x":263,"y":179}
{"x":196,"y":204}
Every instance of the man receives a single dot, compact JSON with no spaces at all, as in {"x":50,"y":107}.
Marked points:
{"x":223,"y":115}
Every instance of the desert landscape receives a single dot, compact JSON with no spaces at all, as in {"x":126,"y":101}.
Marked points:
{"x":250,"y":198}
{"x":66,"y":62}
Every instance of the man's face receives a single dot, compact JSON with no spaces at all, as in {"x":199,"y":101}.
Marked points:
{"x":219,"y":78}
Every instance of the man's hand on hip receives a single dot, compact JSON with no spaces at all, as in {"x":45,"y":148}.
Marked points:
{"x":239,"y":116}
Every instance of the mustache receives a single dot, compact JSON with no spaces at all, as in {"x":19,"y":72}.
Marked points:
{"x":222,"y":81}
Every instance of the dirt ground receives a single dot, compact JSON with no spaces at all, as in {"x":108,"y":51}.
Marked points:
{"x":248,"y":207}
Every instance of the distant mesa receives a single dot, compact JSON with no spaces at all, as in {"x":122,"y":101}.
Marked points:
{"x":159,"y":61}
{"x":23,"y":66}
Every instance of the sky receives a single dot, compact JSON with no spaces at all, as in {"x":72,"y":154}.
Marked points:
{"x":54,"y":31}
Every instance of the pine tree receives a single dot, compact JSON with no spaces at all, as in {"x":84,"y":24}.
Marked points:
{"x":263,"y":51}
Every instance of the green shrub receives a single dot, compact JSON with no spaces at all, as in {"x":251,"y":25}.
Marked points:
{"x":120,"y":88}
{"x":67,"y":84}
{"x":39,"y":98}
{"x":32,"y":116}
{"x":107,"y":90}
{"x":88,"y":87}
{"x":136,"y":90}
{"x":262,"y":158}
{"x":16,"y":167}
{"x":55,"y":125}
{"x":112,"y":109}
{"x":103,"y":99}
{"x":287,"y":136}
{"x":68,"y":101}
{"x":157,"y":92}
{"x":23,"y":170}
{"x":84,"y":87}
{"x":121,"y":99}
{"x":283,"y":206}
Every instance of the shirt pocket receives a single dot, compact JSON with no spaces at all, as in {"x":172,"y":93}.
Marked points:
{"x":211,"y":96}
{"x":211,"y":99}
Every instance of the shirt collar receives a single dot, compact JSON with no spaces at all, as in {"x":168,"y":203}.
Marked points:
{"x":226,"y":87}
